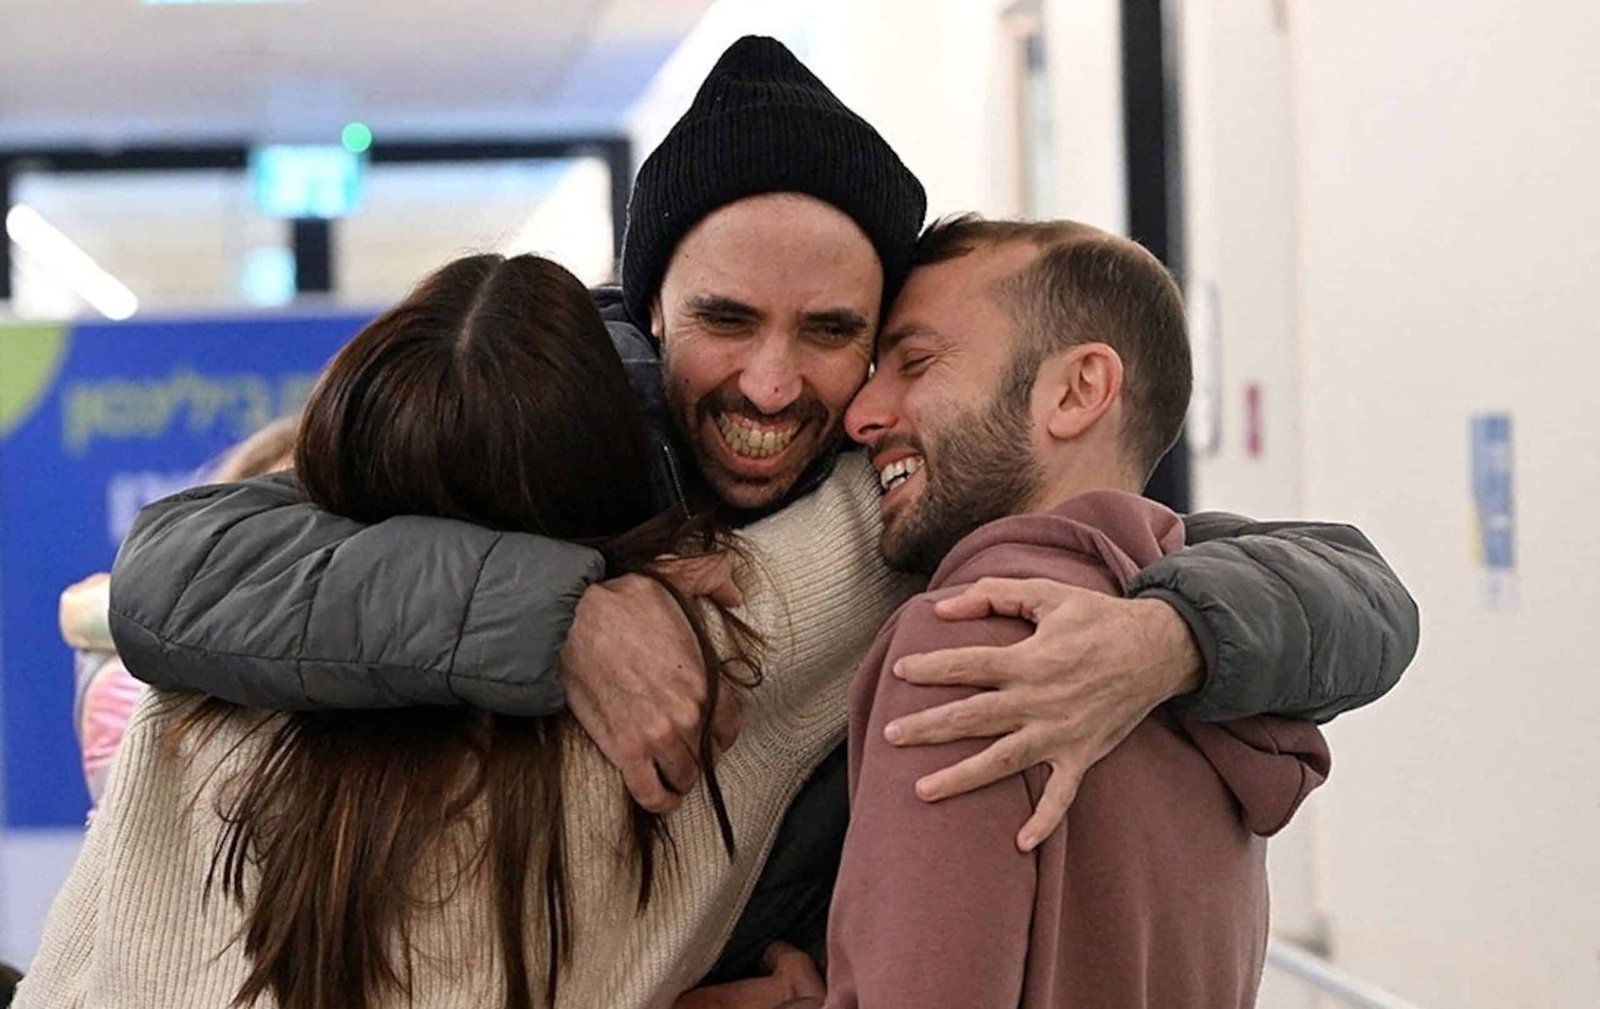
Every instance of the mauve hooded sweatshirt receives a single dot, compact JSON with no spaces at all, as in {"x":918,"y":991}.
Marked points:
{"x":1153,"y":895}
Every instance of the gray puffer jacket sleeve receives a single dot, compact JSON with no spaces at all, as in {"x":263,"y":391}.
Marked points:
{"x":247,"y":593}
{"x":1293,"y":618}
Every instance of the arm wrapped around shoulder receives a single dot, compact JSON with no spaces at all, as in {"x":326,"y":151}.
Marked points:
{"x":1299,"y":619}
{"x":248,"y":593}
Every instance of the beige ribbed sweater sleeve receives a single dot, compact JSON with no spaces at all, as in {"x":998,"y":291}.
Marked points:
{"x":132,"y":927}
{"x":817,"y":593}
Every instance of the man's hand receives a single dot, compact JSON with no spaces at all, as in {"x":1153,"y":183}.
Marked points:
{"x":636,"y":682}
{"x":1094,"y":668}
{"x":795,"y":983}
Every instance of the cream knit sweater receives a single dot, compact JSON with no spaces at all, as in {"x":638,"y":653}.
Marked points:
{"x":132,"y":928}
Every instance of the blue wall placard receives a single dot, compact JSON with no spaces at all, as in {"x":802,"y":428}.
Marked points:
{"x":96,"y":420}
{"x":1494,"y":508}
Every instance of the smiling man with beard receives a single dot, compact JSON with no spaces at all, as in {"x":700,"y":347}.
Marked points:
{"x":765,"y":318}
{"x":764,"y":237}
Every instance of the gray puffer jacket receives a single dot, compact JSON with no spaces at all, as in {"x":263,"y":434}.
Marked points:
{"x":248,"y":593}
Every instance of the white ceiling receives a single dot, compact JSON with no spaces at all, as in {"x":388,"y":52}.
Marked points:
{"x":116,"y":71}
{"x":108,"y":72}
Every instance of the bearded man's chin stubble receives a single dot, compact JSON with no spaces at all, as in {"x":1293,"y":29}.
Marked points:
{"x":976,"y":469}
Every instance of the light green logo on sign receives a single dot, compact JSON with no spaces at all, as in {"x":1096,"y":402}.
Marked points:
{"x":31,"y":356}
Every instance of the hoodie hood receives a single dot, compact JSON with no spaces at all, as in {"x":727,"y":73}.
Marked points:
{"x":1269,"y":764}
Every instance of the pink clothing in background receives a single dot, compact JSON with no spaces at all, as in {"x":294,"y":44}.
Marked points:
{"x":106,"y":692}
{"x":106,"y":702}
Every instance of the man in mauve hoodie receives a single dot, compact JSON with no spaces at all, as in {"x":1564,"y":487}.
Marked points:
{"x":1027,"y":381}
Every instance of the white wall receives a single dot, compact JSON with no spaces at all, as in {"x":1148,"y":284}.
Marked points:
{"x":1085,"y":54}
{"x":1450,"y":233}
{"x":1238,"y":123}
{"x":33,"y":866}
{"x":1395,"y":199}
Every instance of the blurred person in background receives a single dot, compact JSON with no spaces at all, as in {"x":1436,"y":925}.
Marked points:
{"x":452,"y":857}
{"x":764,"y":237}
{"x":105,"y":693}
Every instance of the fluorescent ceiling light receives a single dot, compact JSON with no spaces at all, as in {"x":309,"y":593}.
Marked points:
{"x":45,"y":243}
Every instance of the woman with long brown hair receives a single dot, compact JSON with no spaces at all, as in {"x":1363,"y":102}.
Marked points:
{"x":447,"y":857}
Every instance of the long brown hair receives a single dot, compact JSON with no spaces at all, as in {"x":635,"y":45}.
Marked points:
{"x":493,"y":395}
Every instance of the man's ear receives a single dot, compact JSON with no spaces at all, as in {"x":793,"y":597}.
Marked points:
{"x":658,"y":326}
{"x":1080,"y":384}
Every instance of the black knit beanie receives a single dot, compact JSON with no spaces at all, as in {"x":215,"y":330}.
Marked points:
{"x":763,"y":123}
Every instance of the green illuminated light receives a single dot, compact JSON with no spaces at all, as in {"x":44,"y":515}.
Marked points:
{"x":357,"y":138}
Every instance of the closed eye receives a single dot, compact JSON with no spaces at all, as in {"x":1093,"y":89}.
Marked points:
{"x":834,"y":334}
{"x":725,"y":324}
{"x":837,"y":333}
{"x":722,"y":314}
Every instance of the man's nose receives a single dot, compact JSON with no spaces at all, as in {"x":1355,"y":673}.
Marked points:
{"x":771,"y":378}
{"x":871,"y":414}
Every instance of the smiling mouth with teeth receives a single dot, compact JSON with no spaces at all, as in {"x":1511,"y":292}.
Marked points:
{"x":898,"y":472}
{"x":753,"y":440}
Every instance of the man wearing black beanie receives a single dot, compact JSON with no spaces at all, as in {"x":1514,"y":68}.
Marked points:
{"x":766,"y":234}
{"x":764,"y":238}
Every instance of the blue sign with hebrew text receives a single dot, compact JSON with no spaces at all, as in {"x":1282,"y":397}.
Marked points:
{"x":96,"y":420}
